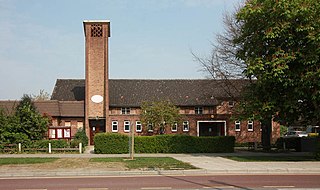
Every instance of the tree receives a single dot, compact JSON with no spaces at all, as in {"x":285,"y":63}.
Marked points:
{"x":43,"y":95}
{"x":280,"y":44}
{"x":222,"y":63}
{"x":275,"y":44}
{"x":159,"y":114}
{"x":32,"y":123}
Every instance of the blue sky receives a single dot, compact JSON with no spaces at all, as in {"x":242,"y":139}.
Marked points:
{"x":42,"y":40}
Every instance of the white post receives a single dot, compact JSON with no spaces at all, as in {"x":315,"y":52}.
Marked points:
{"x":80,"y":148}
{"x":49,"y":148}
{"x":19,"y":147}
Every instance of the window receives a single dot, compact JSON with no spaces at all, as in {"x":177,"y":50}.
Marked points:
{"x":138,"y":126}
{"x":114,"y":126}
{"x":250,"y":125}
{"x":125,"y":111}
{"x":79,"y":125}
{"x":126,"y":126}
{"x":231,"y":103}
{"x":67,"y":123}
{"x":198,"y":110}
{"x":66,"y":133}
{"x":186,"y":126}
{"x":52,"y":133}
{"x":237,"y":125}
{"x":59,"y":133}
{"x":174,"y":127}
{"x":150,"y":127}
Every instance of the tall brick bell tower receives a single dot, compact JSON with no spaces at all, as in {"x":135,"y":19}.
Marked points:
{"x":96,"y":34}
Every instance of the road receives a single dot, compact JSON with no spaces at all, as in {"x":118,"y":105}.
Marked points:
{"x":163,"y":182}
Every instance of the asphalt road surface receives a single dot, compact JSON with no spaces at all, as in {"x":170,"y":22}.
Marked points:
{"x":247,"y":182}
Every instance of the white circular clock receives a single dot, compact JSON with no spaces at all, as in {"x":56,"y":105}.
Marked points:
{"x":97,"y":99}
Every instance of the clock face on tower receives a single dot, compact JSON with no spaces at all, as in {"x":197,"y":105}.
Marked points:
{"x":96,"y":98}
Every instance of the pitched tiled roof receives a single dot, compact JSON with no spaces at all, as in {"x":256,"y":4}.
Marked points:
{"x":69,"y":90}
{"x":51,"y":107}
{"x":131,"y":93}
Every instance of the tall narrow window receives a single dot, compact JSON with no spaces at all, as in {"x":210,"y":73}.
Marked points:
{"x":198,"y":110}
{"x":125,"y":111}
{"x":126,"y":126}
{"x":237,"y":125}
{"x":250,"y":125}
{"x":150,"y":127}
{"x":174,"y":127}
{"x":138,"y":126}
{"x":114,"y":126}
{"x":67,"y":133}
{"x":59,"y":132}
{"x":186,"y":126}
{"x":52,"y":133}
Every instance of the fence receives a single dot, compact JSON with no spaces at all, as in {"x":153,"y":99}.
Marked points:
{"x":13,"y":147}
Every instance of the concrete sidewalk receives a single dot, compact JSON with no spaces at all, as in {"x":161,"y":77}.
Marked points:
{"x":208,"y":164}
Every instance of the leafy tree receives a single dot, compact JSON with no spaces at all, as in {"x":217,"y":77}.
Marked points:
{"x":159,"y":114}
{"x":274,"y":44}
{"x":280,"y":45}
{"x":32,"y":123}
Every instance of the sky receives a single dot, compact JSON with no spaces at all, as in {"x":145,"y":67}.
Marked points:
{"x":43,"y":40}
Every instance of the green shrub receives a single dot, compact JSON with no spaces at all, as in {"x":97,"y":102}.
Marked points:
{"x":113,"y":143}
{"x":81,"y":136}
{"x":75,"y":143}
{"x":54,"y":144}
{"x":290,"y":143}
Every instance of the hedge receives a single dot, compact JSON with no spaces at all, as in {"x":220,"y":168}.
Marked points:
{"x":290,"y":143}
{"x":114,"y":143}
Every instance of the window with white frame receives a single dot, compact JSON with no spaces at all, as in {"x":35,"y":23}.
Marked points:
{"x":231,"y":103}
{"x":125,"y":111}
{"x":237,"y":125}
{"x":150,"y":127}
{"x":250,"y":125}
{"x":186,"y":126}
{"x":126,"y":126}
{"x":198,"y":110}
{"x":138,"y":126}
{"x":174,"y":127}
{"x":114,"y":126}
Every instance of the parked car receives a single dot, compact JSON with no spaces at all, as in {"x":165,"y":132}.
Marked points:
{"x":296,"y":134}
{"x":313,"y":131}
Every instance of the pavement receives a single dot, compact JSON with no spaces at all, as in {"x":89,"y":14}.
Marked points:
{"x":208,"y":164}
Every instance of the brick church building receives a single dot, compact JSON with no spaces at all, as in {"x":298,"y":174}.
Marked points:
{"x":100,"y":104}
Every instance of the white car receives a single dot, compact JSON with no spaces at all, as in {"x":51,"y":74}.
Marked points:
{"x":296,"y":134}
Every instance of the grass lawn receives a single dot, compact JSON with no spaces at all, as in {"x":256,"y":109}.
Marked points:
{"x":165,"y":163}
{"x":271,"y":158}
{"x":6,"y":161}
